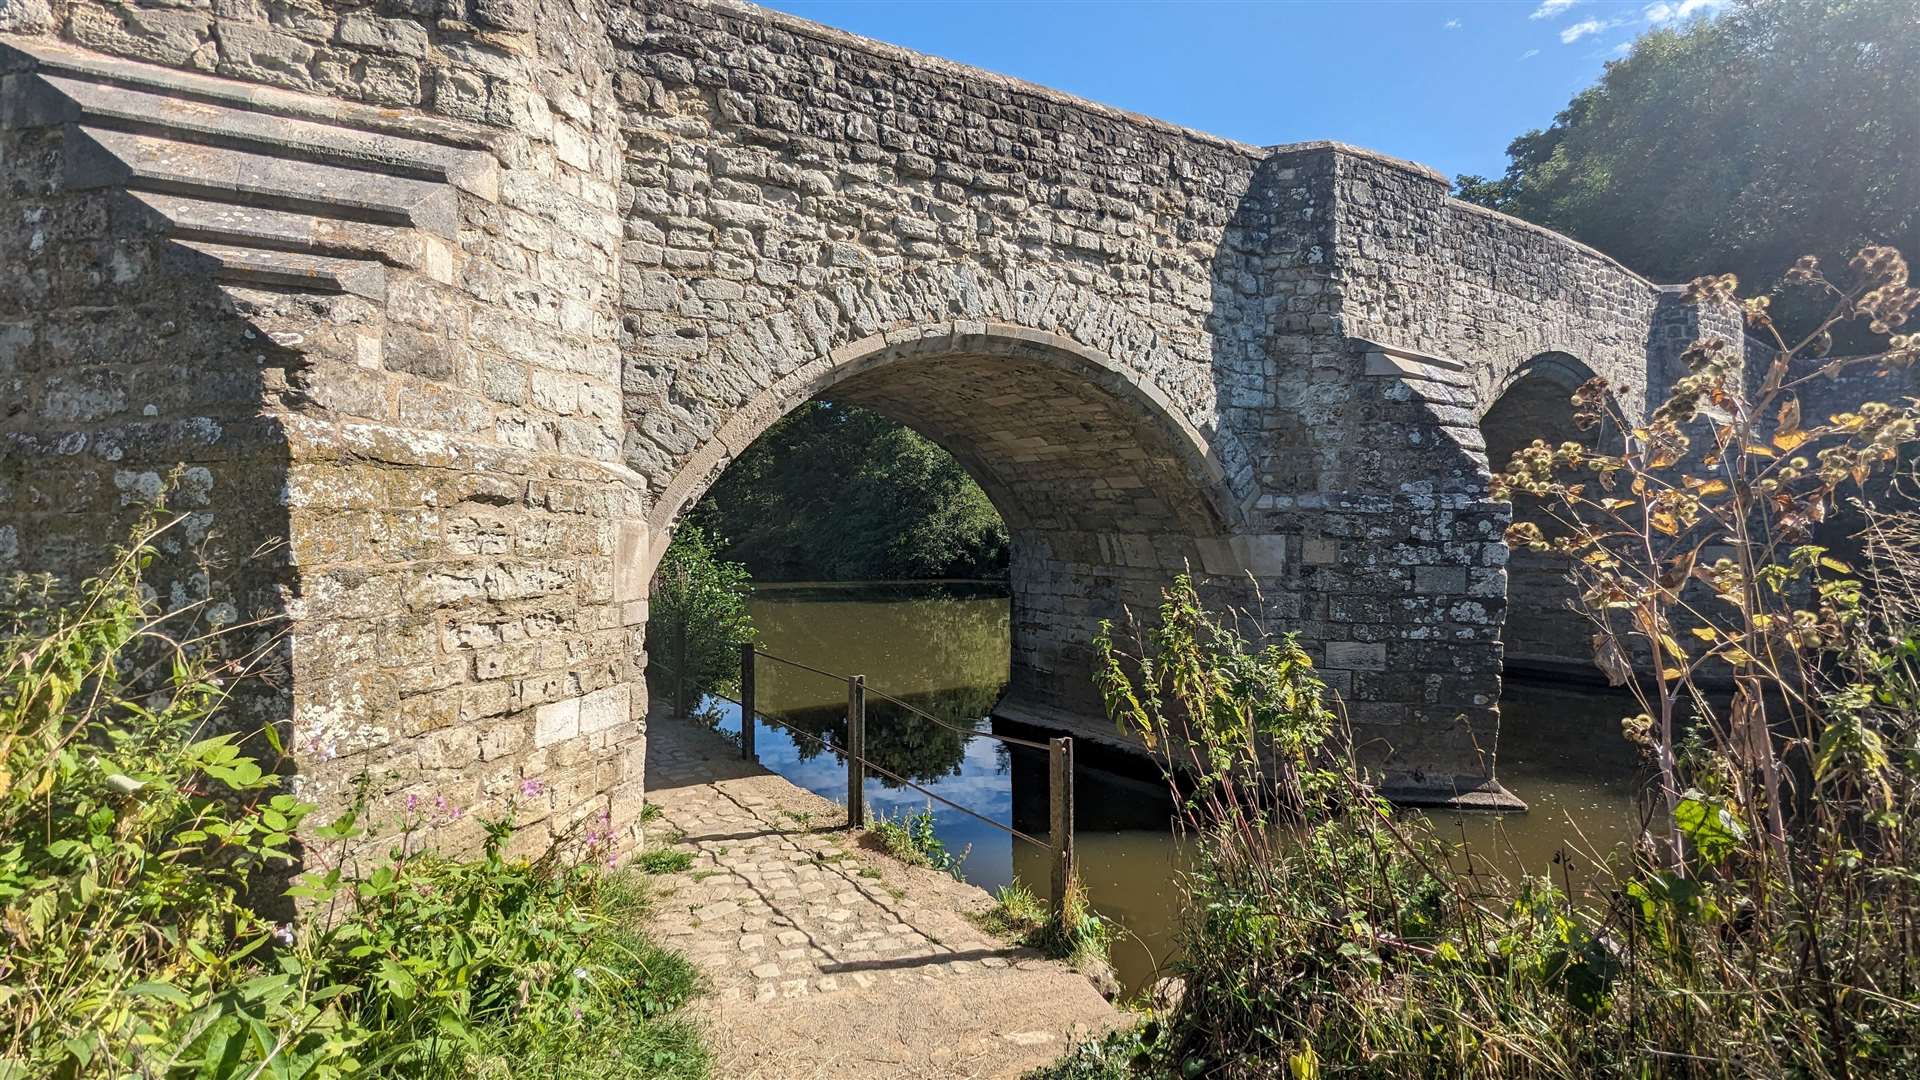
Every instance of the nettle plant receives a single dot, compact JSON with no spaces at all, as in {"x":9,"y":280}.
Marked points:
{"x":1691,"y":544}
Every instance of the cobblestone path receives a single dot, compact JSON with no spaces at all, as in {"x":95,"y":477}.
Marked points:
{"x":827,"y":958}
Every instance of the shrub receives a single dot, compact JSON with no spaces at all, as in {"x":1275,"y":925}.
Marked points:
{"x":142,"y":857}
{"x":697,"y":622}
{"x":129,"y":835}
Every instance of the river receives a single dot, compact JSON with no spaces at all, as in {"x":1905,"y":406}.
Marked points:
{"x":943,"y":647}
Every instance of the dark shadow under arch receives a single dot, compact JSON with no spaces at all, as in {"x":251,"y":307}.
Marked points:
{"x":1106,"y":490}
{"x":1544,"y":634}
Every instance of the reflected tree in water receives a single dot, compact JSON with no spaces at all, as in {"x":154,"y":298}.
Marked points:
{"x":897,"y":740}
{"x":953,"y":665}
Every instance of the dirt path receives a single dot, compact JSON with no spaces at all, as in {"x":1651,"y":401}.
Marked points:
{"x":829,"y":959}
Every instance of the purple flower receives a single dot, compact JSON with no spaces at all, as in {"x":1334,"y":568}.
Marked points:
{"x":283,"y":933}
{"x":446,"y":807}
{"x":531,"y":788}
{"x":413,"y":803}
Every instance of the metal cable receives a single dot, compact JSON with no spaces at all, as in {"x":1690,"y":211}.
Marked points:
{"x":821,"y":742}
{"x":924,"y":714}
{"x":916,"y":710}
{"x":801,"y":666}
{"x":1010,"y":831}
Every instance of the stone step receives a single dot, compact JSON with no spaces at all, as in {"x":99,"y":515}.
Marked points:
{"x":55,"y":59}
{"x":289,"y":231}
{"x":255,"y":184}
{"x":67,"y":99}
{"x":289,"y":269}
{"x":104,"y":158}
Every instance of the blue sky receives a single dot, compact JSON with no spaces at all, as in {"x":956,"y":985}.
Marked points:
{"x":1444,"y":82}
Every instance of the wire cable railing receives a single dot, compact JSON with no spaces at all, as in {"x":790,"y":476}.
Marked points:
{"x":914,"y":709}
{"x":830,"y":747}
{"x":1059,"y":757}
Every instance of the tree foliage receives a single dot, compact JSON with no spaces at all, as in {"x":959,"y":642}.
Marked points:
{"x":1736,"y":143}
{"x":697,"y":622}
{"x":835,"y":492}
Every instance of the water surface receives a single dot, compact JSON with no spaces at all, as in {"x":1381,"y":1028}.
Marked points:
{"x":944,"y":648}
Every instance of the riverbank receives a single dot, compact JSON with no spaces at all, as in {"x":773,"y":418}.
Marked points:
{"x":828,"y":958}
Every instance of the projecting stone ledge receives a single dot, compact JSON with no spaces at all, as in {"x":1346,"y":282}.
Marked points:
{"x":1475,"y":794}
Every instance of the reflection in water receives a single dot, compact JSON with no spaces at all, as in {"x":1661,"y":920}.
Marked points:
{"x":938,"y":648}
{"x":944,"y":649}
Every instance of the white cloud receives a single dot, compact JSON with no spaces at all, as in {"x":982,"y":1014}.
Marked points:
{"x":1530,"y":54}
{"x":1549,"y":8}
{"x":1450,"y":24}
{"x":1623,"y":48}
{"x":1664,"y":12}
{"x":1581,"y":29}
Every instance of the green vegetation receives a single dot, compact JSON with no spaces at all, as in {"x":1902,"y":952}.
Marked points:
{"x":1761,"y":925}
{"x":910,"y":838}
{"x":1080,"y":936}
{"x":151,"y":931}
{"x":1735,"y":143}
{"x":664,"y":861}
{"x":697,"y":622}
{"x":835,"y":492}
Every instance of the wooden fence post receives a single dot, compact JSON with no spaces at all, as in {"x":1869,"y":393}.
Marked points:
{"x":680,"y":704}
{"x":746,"y":701}
{"x":857,"y":752}
{"x":1060,"y":792}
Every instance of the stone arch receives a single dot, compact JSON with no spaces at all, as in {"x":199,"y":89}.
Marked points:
{"x":694,"y":402}
{"x":1543,"y":633}
{"x":859,"y":372}
{"x":1107,"y":488}
{"x":1531,"y":401}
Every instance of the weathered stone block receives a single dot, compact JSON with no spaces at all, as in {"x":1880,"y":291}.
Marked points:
{"x":25,"y":16}
{"x":455,"y":748}
{"x":1320,"y":551}
{"x":556,"y":722}
{"x":1357,"y":655}
{"x":1440,"y":580}
{"x":604,"y":709}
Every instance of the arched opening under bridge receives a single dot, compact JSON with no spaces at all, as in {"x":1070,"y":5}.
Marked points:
{"x":1106,"y":489}
{"x":1545,"y":633}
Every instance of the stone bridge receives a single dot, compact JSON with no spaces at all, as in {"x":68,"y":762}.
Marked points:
{"x":443,"y":311}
